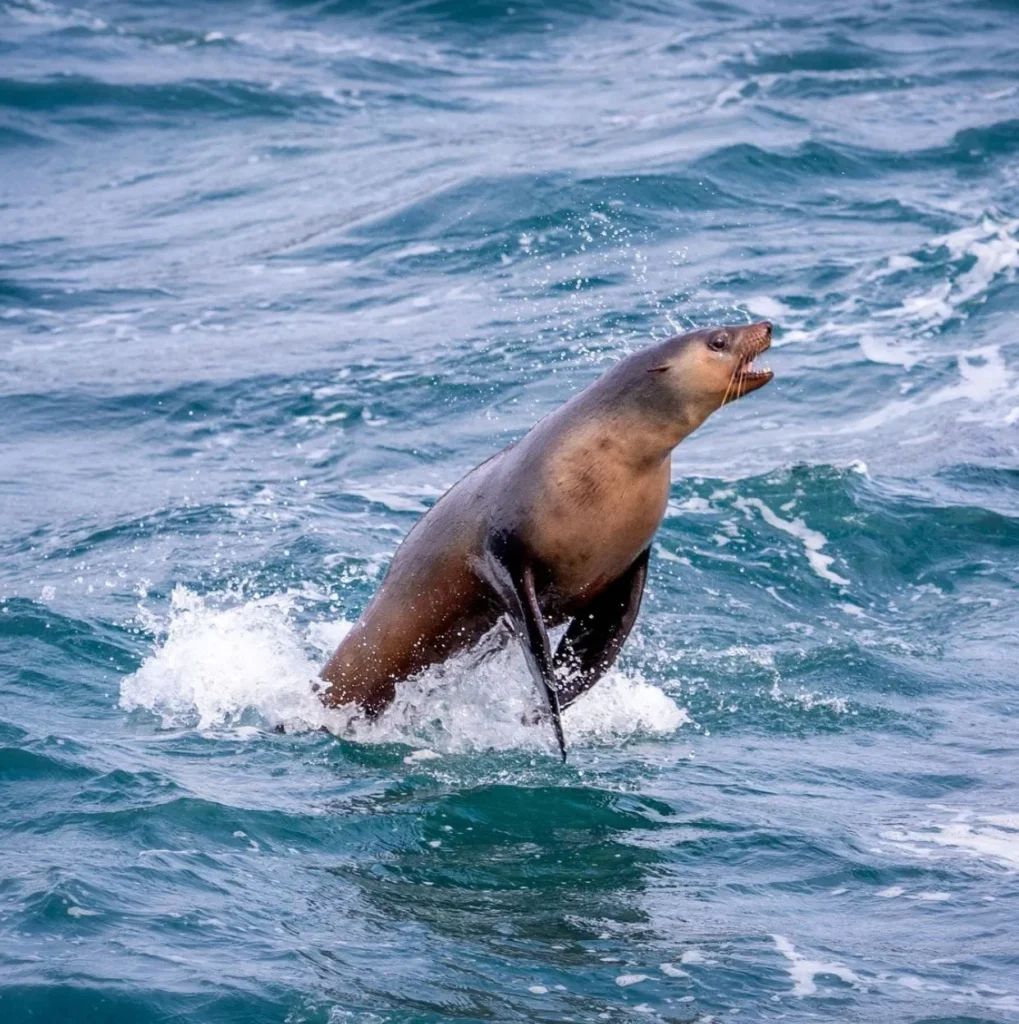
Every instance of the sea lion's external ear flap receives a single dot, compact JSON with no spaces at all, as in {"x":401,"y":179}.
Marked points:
{"x":659,"y":369}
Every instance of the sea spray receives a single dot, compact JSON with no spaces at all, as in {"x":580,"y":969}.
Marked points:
{"x":222,"y":660}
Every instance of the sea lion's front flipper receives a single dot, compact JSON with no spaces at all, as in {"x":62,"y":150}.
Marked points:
{"x":593,"y":641}
{"x":513,"y":579}
{"x":539,"y":654}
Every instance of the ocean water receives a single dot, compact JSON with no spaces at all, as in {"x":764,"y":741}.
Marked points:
{"x":273,"y":275}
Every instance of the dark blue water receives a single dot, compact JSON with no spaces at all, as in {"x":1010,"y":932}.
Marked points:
{"x":273,"y":276}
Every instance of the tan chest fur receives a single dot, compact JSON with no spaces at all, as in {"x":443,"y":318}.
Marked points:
{"x":597,"y":513}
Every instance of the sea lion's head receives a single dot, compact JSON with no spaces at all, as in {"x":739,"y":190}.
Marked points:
{"x":696,"y":373}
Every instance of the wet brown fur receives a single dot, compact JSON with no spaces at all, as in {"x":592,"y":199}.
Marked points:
{"x":581,"y":494}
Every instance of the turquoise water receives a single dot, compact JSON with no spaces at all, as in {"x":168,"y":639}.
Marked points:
{"x":273,"y":276}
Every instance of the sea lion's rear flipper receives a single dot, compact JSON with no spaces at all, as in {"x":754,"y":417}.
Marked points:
{"x":593,"y":641}
{"x":513,"y":579}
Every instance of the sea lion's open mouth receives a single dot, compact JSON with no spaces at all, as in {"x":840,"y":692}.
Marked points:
{"x":746,"y":377}
{"x":749,"y":375}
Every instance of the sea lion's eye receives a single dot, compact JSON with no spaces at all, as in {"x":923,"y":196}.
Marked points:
{"x":718,"y":342}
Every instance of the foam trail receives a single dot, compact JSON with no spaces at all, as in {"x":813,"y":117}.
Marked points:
{"x":973,"y":261}
{"x":984,"y":381}
{"x":991,"y":837}
{"x":222,"y":663}
{"x":813,"y":540}
{"x":804,"y":971}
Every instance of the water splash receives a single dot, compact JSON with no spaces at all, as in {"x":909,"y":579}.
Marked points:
{"x":221,"y":661}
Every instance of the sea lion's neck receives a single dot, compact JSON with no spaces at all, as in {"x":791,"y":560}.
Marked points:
{"x":638,"y":432}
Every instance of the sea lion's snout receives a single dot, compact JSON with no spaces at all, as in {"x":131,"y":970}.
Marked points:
{"x":758,"y":336}
{"x":752,"y":341}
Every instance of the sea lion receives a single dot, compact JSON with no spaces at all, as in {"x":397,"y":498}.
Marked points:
{"x":556,"y":527}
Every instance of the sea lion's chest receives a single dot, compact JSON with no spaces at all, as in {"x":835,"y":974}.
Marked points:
{"x":590,"y":524}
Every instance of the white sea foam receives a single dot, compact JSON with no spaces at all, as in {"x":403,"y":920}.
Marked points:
{"x":40,"y":12}
{"x":695,"y":956}
{"x":424,"y":754}
{"x":972,"y":260}
{"x":221,"y":660}
{"x":888,"y":350}
{"x":808,"y":701}
{"x":984,"y":381}
{"x":978,"y":255}
{"x":772,"y":308}
{"x":81,"y":912}
{"x":991,"y":837}
{"x":672,"y":971}
{"x":813,"y":540}
{"x":395,"y":501}
{"x":993,"y":247}
{"x":416,"y":249}
{"x":626,"y":980}
{"x":803,"y":971}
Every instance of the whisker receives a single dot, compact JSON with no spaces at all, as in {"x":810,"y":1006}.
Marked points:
{"x":725,"y":397}
{"x":741,"y":374}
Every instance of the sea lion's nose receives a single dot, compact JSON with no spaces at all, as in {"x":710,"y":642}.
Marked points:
{"x":761,"y":335}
